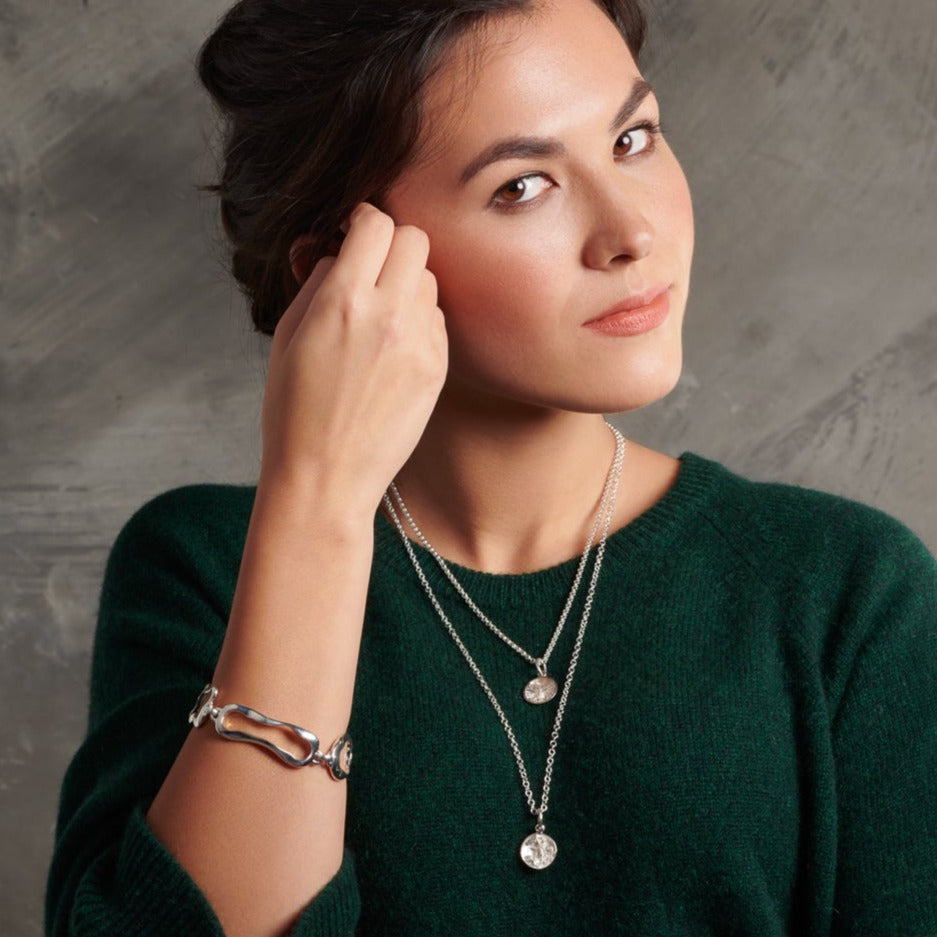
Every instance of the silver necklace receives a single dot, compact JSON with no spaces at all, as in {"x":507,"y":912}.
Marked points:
{"x":543,"y":687}
{"x":538,"y":850}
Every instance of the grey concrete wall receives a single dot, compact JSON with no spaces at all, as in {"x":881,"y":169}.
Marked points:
{"x":808,"y":130}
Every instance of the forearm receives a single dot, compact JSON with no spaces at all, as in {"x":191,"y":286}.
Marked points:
{"x":261,"y":839}
{"x":361,"y":348}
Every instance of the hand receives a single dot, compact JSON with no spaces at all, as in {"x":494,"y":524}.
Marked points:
{"x":356,"y":366}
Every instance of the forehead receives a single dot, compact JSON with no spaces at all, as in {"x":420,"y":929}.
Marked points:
{"x":539,"y":72}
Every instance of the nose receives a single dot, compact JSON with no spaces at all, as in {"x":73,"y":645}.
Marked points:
{"x":619,"y":229}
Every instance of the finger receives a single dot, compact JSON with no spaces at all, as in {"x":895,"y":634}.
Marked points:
{"x":427,"y":291}
{"x":406,"y":261}
{"x":365,"y":247}
{"x":297,"y":309}
{"x":438,"y":334}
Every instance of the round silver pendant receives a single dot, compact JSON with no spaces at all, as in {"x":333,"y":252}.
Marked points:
{"x":540,"y":690}
{"x":538,"y":850}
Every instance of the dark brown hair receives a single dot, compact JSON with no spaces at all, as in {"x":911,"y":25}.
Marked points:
{"x":320,"y":101}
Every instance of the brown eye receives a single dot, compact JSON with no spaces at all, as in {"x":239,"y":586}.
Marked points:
{"x":634,"y":141}
{"x":514,"y":191}
{"x":520,"y":190}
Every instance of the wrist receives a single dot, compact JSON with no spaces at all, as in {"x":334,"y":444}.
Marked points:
{"x":311,"y":499}
{"x":337,"y":759}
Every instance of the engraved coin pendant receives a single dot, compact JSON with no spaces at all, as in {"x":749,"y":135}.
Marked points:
{"x":538,"y":850}
{"x":540,"y":690}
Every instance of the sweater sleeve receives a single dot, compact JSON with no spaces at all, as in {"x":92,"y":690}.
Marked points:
{"x":164,"y":604}
{"x":885,"y":744}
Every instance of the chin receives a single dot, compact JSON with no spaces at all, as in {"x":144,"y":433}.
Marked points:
{"x":605,"y":389}
{"x":609,"y":399}
{"x":637,"y":390}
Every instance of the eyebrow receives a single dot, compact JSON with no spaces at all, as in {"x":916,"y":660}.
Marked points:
{"x":526,"y":147}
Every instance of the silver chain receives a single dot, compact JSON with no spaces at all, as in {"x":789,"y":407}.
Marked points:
{"x":539,"y":662}
{"x":538,"y":812}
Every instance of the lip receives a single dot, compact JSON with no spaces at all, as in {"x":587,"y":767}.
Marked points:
{"x":635,"y":315}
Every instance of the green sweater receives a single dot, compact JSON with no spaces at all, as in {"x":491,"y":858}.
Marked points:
{"x":749,"y":747}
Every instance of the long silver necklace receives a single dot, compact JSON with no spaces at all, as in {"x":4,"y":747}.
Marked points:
{"x":542,"y":688}
{"x":538,"y":850}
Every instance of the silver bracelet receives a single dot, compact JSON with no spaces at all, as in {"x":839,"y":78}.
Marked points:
{"x":337,"y":759}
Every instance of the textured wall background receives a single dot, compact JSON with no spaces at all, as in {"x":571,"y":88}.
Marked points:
{"x":808,"y":131}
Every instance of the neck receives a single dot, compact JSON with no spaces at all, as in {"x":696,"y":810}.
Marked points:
{"x":507,"y":488}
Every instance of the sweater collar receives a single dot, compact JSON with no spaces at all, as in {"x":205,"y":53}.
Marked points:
{"x":649,"y":533}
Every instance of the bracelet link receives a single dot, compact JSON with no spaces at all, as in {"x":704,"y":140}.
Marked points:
{"x":204,"y":706}
{"x":337,"y":760}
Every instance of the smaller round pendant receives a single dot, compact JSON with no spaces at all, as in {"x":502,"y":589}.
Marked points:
{"x":538,"y":850}
{"x":540,"y":690}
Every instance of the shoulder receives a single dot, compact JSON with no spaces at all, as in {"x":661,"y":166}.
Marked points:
{"x":814,"y":532}
{"x":841,"y":576}
{"x":194,"y":532}
{"x":195,"y":504}
{"x":167,"y":592}
{"x":190,"y":513}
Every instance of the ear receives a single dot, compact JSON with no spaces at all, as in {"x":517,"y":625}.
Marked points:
{"x":298,"y":261}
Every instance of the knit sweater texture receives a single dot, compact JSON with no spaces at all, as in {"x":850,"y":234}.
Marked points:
{"x":749,"y":746}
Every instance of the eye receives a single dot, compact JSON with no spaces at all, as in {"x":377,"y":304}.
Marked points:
{"x":520,"y":190}
{"x":638,"y":139}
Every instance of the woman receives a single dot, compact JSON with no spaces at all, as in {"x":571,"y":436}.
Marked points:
{"x":640,"y":695}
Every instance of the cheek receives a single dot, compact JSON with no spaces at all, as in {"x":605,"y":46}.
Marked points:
{"x":495,"y":288}
{"x":679,"y":202}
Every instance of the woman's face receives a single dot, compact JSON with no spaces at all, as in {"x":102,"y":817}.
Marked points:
{"x":548,"y":202}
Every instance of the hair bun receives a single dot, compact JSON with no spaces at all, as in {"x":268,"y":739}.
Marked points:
{"x":244,"y":63}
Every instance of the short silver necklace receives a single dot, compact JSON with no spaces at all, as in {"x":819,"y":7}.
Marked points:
{"x":543,"y":687}
{"x":538,"y":850}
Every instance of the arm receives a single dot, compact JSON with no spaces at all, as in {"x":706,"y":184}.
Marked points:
{"x":259,"y":838}
{"x":885,"y":746}
{"x":361,"y":349}
{"x":164,"y":605}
